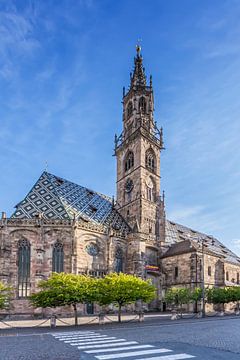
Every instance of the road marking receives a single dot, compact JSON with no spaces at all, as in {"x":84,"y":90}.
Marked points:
{"x":72,"y":335}
{"x":92,"y":341}
{"x":98,"y":342}
{"x":119,"y":349}
{"x":107,"y":345}
{"x":169,"y":357}
{"x":71,"y":332}
{"x":69,"y":340}
{"x":132,"y":353}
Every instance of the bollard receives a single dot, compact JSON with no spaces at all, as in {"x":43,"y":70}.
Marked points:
{"x":101,"y":317}
{"x":237,"y":312}
{"x":199,"y":315}
{"x":53,"y":321}
{"x":141,"y":316}
{"x":222,"y":313}
{"x":174,"y":315}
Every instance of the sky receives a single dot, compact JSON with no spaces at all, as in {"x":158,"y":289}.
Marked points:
{"x":62,"y":68}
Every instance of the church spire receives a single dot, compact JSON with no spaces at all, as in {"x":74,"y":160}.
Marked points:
{"x":138,"y":78}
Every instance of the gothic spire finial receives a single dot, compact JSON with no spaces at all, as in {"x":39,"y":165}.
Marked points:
{"x":138,"y":78}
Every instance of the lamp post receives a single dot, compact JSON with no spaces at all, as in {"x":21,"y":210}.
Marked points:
{"x":203,"y":282}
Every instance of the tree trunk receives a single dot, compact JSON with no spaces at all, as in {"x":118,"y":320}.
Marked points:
{"x":75,"y":314}
{"x":119,"y":312}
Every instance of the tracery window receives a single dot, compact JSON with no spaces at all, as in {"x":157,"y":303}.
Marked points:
{"x":129,"y":109}
{"x":57,"y":257}
{"x":142,"y":105}
{"x":150,"y":189}
{"x":118,"y":260}
{"x":129,"y":161}
{"x":23,"y":268}
{"x":150,"y":160}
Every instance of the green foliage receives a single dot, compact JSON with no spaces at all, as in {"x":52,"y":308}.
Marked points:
{"x":122,"y":289}
{"x":178,"y":296}
{"x":196,"y":294}
{"x":65,"y":289}
{"x":5,"y":295}
{"x":218,"y":295}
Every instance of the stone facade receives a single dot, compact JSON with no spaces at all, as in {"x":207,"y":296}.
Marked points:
{"x":63,"y":226}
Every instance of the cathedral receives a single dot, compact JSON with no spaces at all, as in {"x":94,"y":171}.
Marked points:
{"x":62,"y":226}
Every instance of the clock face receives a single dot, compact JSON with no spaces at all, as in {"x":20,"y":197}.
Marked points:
{"x":92,"y":249}
{"x":129,"y":185}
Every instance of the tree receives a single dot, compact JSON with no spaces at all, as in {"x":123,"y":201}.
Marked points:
{"x":178,"y":297}
{"x":122,"y":289}
{"x":196,"y":296}
{"x":5,"y":295}
{"x":65,"y":289}
{"x":218,"y":296}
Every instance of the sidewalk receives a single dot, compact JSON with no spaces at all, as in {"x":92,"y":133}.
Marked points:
{"x":108,"y":319}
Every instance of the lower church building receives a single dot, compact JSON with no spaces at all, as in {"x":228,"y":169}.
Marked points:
{"x":62,"y":226}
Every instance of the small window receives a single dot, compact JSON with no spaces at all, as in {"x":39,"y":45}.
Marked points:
{"x":227,"y":276}
{"x":129,"y":161}
{"x":129,"y":109}
{"x":142,"y":105}
{"x":209,"y":271}
{"x":176,"y":272}
{"x":118,"y":260}
{"x":237,"y":278}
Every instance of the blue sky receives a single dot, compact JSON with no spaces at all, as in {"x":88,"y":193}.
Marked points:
{"x":62,"y":68}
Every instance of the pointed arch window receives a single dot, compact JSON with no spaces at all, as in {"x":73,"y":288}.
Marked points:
{"x":57,"y":257}
{"x":150,"y":160}
{"x":129,"y":109}
{"x":129,"y":161}
{"x":150,"y":189}
{"x":142,"y":105}
{"x":24,"y":268}
{"x":119,"y":260}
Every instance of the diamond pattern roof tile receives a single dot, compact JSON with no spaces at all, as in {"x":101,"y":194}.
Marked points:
{"x":57,"y":198}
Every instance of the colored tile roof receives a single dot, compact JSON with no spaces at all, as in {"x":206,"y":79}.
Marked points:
{"x":176,"y":233}
{"x":57,"y":198}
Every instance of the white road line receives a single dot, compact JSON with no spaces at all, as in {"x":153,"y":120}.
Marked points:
{"x":72,"y":335}
{"x":132,"y":353}
{"x":92,"y":341}
{"x":119,"y":349}
{"x":169,"y":357}
{"x":107,"y":345}
{"x":72,"y":332}
{"x":85,"y":339}
{"x":98,"y":342}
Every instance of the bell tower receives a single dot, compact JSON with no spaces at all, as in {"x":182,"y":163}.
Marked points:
{"x":138,"y":151}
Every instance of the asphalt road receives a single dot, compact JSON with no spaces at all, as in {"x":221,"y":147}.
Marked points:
{"x":187,"y":339}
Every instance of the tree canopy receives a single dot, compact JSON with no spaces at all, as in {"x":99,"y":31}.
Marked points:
{"x":5,"y":295}
{"x":65,"y":289}
{"x":122,"y":289}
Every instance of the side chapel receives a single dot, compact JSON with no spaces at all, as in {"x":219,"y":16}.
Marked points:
{"x":62,"y":226}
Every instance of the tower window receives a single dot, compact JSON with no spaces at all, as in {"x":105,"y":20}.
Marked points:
{"x":129,"y":109}
{"x":237,"y":278}
{"x":142,"y":105}
{"x":129,"y":161}
{"x":150,"y":160}
{"x":23,"y":268}
{"x":150,"y":189}
{"x":57,"y":257}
